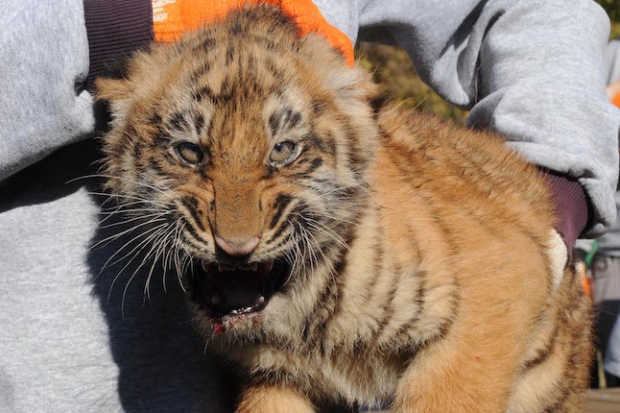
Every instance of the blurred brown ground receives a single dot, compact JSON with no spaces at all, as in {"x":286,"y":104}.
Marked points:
{"x":393,"y":70}
{"x":598,"y":401}
{"x":603,"y":401}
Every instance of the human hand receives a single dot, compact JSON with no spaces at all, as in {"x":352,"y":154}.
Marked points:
{"x":172,"y":18}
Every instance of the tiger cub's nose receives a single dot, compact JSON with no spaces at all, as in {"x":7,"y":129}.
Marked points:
{"x":239,"y":248}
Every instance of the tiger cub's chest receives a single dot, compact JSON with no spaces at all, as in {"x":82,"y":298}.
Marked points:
{"x":368,"y":377}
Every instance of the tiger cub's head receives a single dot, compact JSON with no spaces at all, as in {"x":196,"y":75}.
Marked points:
{"x":250,"y":146}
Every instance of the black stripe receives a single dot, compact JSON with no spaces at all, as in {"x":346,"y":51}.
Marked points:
{"x":316,"y":319}
{"x":191,"y":203}
{"x":403,"y":334}
{"x":318,"y":107}
{"x":340,"y":269}
{"x":202,"y":70}
{"x":177,"y":121}
{"x":277,"y":234}
{"x":190,"y":229}
{"x":387,"y":309}
{"x":377,"y":267}
{"x":137,"y":150}
{"x":154,"y":120}
{"x":307,"y":173}
{"x":281,"y":241}
{"x":296,"y":213}
{"x":325,"y":306}
{"x":292,"y":119}
{"x":203,"y":93}
{"x":542,"y":354}
{"x":161,"y":141}
{"x":272,"y":67}
{"x":330,"y":143}
{"x":315,"y":164}
{"x":170,"y":159}
{"x":236,"y":28}
{"x":274,"y":122}
{"x":230,"y":53}
{"x":281,"y":202}
{"x":156,"y":167}
{"x":208,"y":43}
{"x":318,"y":143}
{"x":226,"y":90}
{"x":199,"y":122}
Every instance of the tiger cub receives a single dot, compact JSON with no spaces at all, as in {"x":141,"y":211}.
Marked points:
{"x":344,"y":249}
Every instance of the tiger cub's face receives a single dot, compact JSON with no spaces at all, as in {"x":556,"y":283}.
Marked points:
{"x":250,"y":146}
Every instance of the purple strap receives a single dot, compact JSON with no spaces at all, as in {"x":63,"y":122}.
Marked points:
{"x":115,"y":28}
{"x":571,"y":207}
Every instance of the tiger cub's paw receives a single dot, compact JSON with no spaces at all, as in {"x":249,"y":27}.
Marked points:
{"x":274,"y":399}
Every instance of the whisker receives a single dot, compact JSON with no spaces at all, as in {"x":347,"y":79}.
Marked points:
{"x":132,"y":197}
{"x":124,"y":179}
{"x":160,"y":245}
{"x":146,"y":257}
{"x":137,"y":218}
{"x":113,"y":237}
{"x":176,"y":244}
{"x":151,"y":232}
{"x":143,"y":245}
{"x":120,"y":234}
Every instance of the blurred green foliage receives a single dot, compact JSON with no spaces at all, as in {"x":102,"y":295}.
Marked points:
{"x":615,"y":29}
{"x":392,"y":68}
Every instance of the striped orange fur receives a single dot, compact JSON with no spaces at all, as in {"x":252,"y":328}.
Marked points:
{"x":345,"y":249}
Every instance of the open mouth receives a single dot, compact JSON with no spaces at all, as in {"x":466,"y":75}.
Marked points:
{"x":233,"y":290}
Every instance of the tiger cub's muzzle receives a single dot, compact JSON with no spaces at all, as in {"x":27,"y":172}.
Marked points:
{"x":234,"y":285}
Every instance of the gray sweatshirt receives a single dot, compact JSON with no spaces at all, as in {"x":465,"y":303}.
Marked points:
{"x":609,"y":243}
{"x":612,"y":61}
{"x":77,"y":331}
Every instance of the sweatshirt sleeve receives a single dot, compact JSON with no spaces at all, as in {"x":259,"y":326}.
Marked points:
{"x":44,"y":59}
{"x":50,"y":53}
{"x":612,"y":61}
{"x":531,"y":70}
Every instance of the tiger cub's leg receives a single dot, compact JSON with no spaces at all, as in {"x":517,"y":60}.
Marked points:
{"x":472,"y":368}
{"x":274,"y":399}
{"x":448,"y":382}
{"x":555,"y":375}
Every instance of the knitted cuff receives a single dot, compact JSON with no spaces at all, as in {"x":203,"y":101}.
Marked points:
{"x":115,"y":28}
{"x":571,"y":207}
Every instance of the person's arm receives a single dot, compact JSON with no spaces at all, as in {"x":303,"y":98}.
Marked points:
{"x":44,"y":56}
{"x":612,"y":61}
{"x":531,"y":70}
{"x":45,"y":61}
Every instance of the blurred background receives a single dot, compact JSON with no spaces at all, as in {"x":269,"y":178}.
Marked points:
{"x":392,"y":68}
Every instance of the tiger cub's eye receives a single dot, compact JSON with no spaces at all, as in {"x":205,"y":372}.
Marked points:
{"x":189,"y":153}
{"x":283,"y":153}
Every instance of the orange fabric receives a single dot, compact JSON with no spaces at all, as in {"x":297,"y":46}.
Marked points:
{"x":172,"y":18}
{"x":587,"y":287}
{"x":616,"y":99}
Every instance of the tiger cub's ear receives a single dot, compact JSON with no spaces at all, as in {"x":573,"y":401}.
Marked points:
{"x":116,"y":92}
{"x":349,"y":83}
{"x":113,"y":90}
{"x":118,"y":83}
